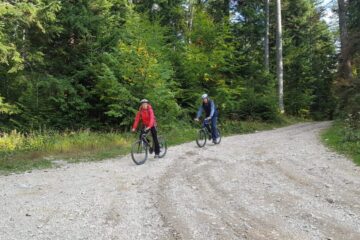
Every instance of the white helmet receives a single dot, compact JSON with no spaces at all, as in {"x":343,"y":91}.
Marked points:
{"x":204,"y":96}
{"x":144,"y":101}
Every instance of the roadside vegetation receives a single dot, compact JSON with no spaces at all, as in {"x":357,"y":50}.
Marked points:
{"x":22,"y":152}
{"x":344,"y":137}
{"x":61,"y":69}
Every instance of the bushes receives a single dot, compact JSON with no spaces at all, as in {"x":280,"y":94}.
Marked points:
{"x":258,"y":107}
{"x":19,"y":152}
{"x":344,"y":139}
{"x":352,"y":127}
{"x":344,"y":135}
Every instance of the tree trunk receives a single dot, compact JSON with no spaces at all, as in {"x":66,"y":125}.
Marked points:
{"x":190,"y":17}
{"x":226,"y":8}
{"x":266,"y":40}
{"x":345,"y":62}
{"x":279,"y":56}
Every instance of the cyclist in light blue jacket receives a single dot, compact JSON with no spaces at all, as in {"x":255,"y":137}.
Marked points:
{"x":211,"y":114}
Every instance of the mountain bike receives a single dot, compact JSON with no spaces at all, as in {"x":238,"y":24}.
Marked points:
{"x":205,"y":133}
{"x":145,"y":146}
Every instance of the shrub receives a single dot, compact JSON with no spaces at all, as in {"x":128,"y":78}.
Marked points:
{"x":258,"y":107}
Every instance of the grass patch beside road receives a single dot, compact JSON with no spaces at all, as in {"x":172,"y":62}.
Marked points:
{"x":19,"y":152}
{"x":343,"y":140}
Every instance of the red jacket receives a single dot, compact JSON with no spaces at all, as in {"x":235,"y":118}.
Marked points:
{"x":147,"y":116}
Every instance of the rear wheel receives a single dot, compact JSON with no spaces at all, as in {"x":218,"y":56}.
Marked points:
{"x":163,"y":147}
{"x":201,"y":138}
{"x":139,"y":152}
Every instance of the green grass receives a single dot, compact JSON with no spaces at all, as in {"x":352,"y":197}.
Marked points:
{"x":337,"y":138}
{"x":19,"y":153}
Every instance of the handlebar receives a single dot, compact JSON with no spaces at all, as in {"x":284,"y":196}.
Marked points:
{"x":206,"y":121}
{"x":143,"y":132}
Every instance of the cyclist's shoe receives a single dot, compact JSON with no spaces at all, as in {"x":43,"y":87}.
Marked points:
{"x":156,"y":156}
{"x":151,"y":150}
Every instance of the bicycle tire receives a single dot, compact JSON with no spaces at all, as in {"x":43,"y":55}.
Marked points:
{"x":163,"y":146}
{"x":139,"y":152}
{"x":201,"y":138}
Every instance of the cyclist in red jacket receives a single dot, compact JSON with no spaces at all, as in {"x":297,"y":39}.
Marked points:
{"x":146,"y":114}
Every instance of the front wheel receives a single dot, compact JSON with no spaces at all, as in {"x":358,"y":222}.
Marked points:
{"x":139,"y":152}
{"x":201,"y":138}
{"x":163,"y":147}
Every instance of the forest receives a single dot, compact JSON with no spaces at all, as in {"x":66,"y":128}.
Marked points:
{"x":279,"y":158}
{"x":85,"y":64}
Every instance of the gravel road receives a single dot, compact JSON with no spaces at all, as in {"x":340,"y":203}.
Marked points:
{"x":279,"y":184}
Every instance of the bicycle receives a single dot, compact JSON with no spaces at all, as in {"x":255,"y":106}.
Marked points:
{"x":142,"y":147}
{"x":204,"y":133}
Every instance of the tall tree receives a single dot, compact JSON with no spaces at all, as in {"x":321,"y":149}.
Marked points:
{"x":349,"y":69}
{"x":266,"y":40}
{"x":279,"y":56}
{"x":309,"y":60}
{"x":218,"y":9}
{"x":345,"y":61}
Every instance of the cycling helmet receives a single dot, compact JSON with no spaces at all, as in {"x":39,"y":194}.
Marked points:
{"x":204,"y":96}
{"x":144,"y":101}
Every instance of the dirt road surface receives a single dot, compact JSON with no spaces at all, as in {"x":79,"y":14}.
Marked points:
{"x":279,"y":184}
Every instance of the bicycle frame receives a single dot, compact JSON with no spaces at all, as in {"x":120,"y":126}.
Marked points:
{"x":143,"y":137}
{"x":206,"y":126}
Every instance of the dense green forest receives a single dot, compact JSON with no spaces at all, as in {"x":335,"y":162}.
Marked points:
{"x":86,"y":63}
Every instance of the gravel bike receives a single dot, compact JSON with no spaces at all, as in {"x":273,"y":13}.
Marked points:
{"x":144,"y":146}
{"x":205,"y":133}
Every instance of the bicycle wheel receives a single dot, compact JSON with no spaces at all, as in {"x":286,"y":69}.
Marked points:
{"x":163,"y":147}
{"x":139,"y":152}
{"x":218,"y":140}
{"x":201,"y":138}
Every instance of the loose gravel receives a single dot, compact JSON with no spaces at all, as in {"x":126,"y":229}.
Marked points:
{"x":279,"y":184}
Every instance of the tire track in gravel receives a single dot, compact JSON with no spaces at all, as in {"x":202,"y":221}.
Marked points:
{"x":280,"y":184}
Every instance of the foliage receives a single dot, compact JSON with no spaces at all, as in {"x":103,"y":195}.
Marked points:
{"x":348,"y":89}
{"x":19,"y":152}
{"x":309,"y":61}
{"x":70,"y":65}
{"x":6,"y":108}
{"x":344,"y":139}
{"x":258,"y":107}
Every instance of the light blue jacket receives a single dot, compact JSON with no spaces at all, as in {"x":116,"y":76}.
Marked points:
{"x":212,"y":110}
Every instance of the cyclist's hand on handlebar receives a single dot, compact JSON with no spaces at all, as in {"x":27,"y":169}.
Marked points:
{"x":147,"y":129}
{"x":133,"y":130}
{"x":196,"y":119}
{"x":208,"y":118}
